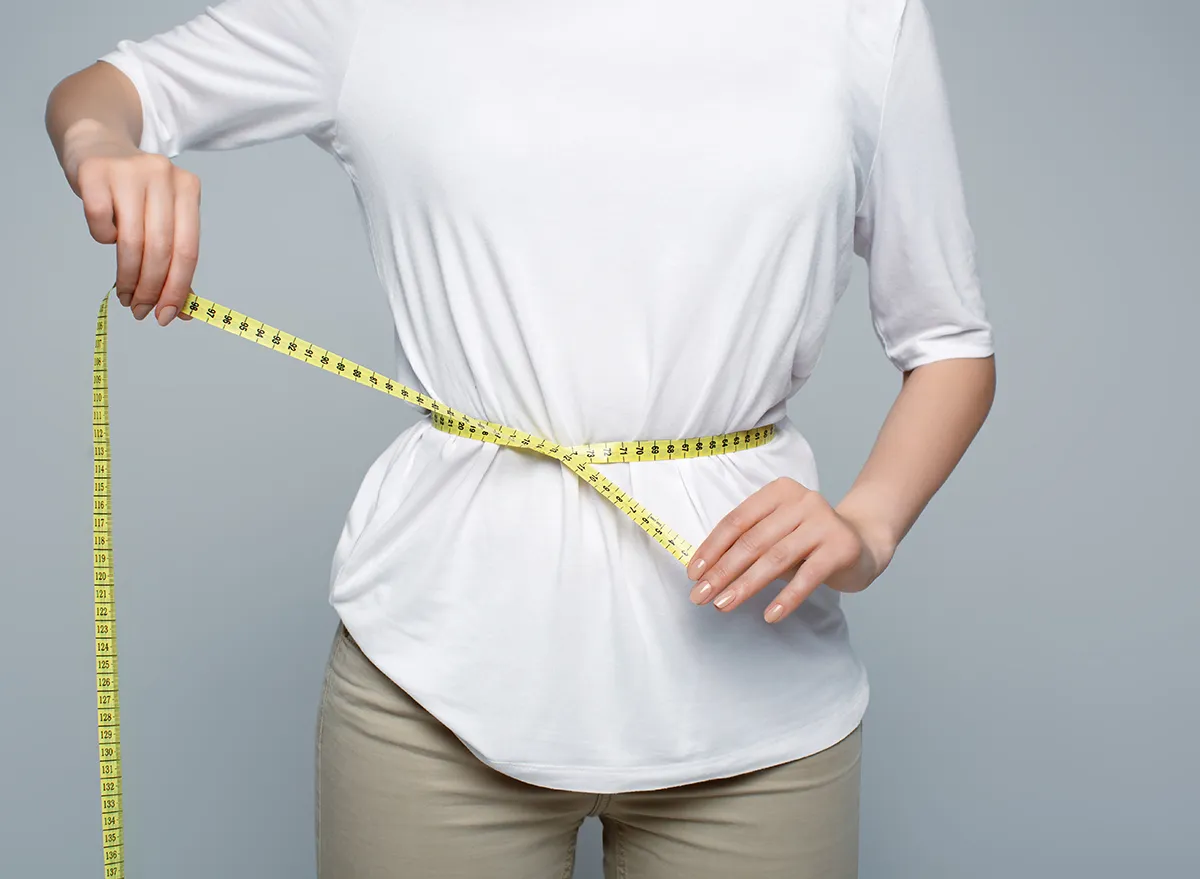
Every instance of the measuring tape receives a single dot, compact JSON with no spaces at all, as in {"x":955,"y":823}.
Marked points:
{"x":578,"y":458}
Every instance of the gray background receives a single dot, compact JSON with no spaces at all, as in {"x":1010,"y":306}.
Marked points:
{"x":1032,"y":649}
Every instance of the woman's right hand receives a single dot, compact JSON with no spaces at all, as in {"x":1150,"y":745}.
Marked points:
{"x":148,"y":208}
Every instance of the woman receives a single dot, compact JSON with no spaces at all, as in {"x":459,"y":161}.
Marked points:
{"x":596,"y":223}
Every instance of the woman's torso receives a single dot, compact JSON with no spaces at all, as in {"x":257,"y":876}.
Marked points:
{"x":597,"y":223}
{"x":593,"y":222}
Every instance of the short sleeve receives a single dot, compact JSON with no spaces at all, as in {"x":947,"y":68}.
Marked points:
{"x":242,"y":72}
{"x":911,"y":225}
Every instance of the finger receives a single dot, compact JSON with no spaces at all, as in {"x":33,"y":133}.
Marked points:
{"x":184,"y":313}
{"x":786,"y":554}
{"x":830,"y":557}
{"x":738,"y":520}
{"x":129,"y":198}
{"x":160,"y":235}
{"x":746,"y":550}
{"x":185,"y":250}
{"x":96,"y":192}
{"x":95,"y":189}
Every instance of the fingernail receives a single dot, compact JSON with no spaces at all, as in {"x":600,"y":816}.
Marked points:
{"x":167,"y":315}
{"x":723,"y":600}
{"x":140,"y":311}
{"x":701,"y":592}
{"x":774,"y":612}
{"x":124,"y":298}
{"x":699,"y":563}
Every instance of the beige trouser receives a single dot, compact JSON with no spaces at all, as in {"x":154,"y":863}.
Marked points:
{"x":398,"y":795}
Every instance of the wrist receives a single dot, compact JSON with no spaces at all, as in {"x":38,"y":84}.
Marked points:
{"x":879,"y":533}
{"x":85,"y":138}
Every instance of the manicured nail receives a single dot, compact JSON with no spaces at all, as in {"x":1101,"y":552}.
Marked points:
{"x":774,"y":612}
{"x":140,"y":311}
{"x":723,"y":600}
{"x":700,"y":563}
{"x":167,"y":315}
{"x":124,"y":298}
{"x":701,"y":592}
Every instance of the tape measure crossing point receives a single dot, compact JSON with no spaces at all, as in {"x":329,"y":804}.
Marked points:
{"x":580,"y":459}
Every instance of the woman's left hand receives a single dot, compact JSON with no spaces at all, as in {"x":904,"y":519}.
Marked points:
{"x":783,"y":528}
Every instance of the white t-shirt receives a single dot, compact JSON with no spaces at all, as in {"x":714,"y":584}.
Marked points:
{"x":593,"y":222}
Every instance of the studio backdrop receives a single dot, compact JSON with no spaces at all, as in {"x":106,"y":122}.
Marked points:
{"x":1032,"y":649}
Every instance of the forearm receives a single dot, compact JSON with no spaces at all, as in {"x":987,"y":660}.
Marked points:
{"x":937,"y":414}
{"x":94,"y":110}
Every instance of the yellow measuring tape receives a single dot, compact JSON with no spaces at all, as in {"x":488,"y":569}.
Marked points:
{"x":578,"y":458}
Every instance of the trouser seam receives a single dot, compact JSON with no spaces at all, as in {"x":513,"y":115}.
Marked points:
{"x":620,"y":846}
{"x":569,"y":863}
{"x":600,"y":805}
{"x":321,"y":709}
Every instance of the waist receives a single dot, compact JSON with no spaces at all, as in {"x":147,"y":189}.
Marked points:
{"x":604,"y":452}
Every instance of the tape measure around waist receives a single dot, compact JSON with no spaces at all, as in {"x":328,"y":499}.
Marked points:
{"x":580,"y":459}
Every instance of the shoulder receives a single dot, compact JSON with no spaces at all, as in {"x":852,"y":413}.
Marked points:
{"x":872,"y":32}
{"x":873,"y":26}
{"x":289,"y":18}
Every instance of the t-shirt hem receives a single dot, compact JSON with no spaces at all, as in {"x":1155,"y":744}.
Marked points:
{"x":793,"y":745}
{"x":976,"y":345}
